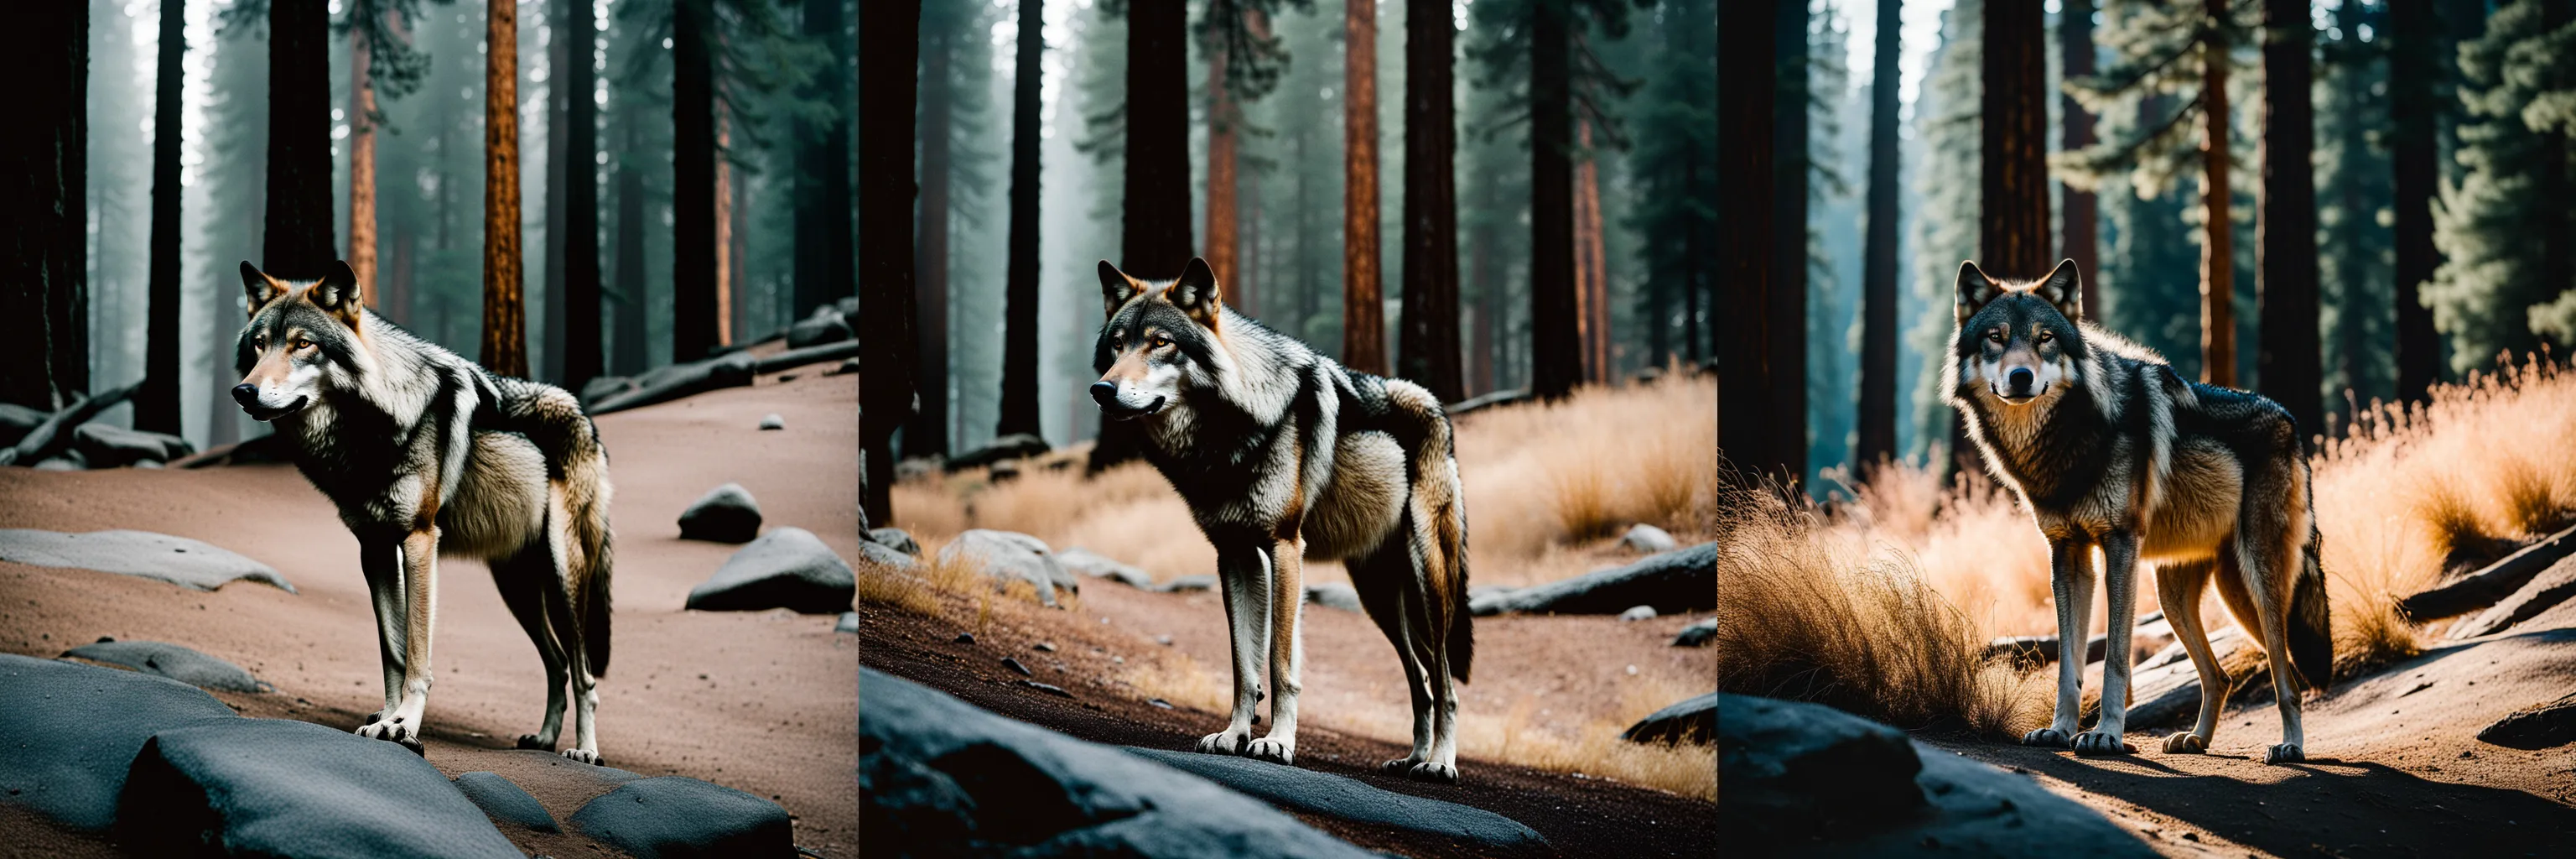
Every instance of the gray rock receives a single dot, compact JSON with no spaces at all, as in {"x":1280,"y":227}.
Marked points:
{"x":872,"y":553}
{"x":70,"y":460}
{"x":173,"y":661}
{"x":786,"y":568}
{"x":1697,"y":634}
{"x":1092,"y":564}
{"x":1648,"y":539}
{"x":1691,"y":720}
{"x":1637,"y":613}
{"x":1002,"y":449}
{"x":947,"y":779}
{"x":104,"y":446}
{"x":726,"y":514}
{"x":1674,"y":582}
{"x":69,"y":730}
{"x":2545,"y":726}
{"x":1334,"y":596}
{"x":16,"y":420}
{"x":1345,"y":798}
{"x":772,"y":421}
{"x":177,"y":560}
{"x":602,"y":387}
{"x":1795,"y":771}
{"x":1048,"y":688}
{"x":505,"y":802}
{"x":896,"y":539}
{"x":1188,"y":584}
{"x":848,"y":623}
{"x":278,"y":787}
{"x":1479,"y":592}
{"x":1976,"y":809}
{"x":2553,"y":586}
{"x":677,"y":817}
{"x":1008,"y":556}
{"x":817,"y":330}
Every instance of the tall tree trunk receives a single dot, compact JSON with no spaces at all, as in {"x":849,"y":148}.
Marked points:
{"x":1594,"y":252}
{"x":2081,"y":240}
{"x":1363,"y":309}
{"x":1019,"y":408}
{"x":156,"y":407}
{"x":559,"y":14}
{"x":633,"y":356}
{"x":297,"y":239}
{"x":1877,"y":412}
{"x":505,"y":309}
{"x":1244,"y":293}
{"x":1154,"y":242}
{"x":1223,"y":117}
{"x":1787,"y":308}
{"x":2414,"y":119}
{"x":1556,"y":341}
{"x":823,"y":259}
{"x":886,"y":88}
{"x":928,"y":434}
{"x":1429,"y":351}
{"x":396,"y":303}
{"x":1485,"y":275}
{"x":726,"y":283}
{"x":362,"y":168}
{"x":2287,"y":227}
{"x":694,"y":308}
{"x":44,"y":319}
{"x":738,"y":256}
{"x":2218,"y":245}
{"x":579,"y":331}
{"x":1757,"y":386}
{"x":2013,"y":203}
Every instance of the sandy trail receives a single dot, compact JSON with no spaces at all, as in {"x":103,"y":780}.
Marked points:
{"x":763,"y":702}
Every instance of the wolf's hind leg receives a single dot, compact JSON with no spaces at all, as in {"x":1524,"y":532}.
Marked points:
{"x":524,"y":582}
{"x":2178,"y":589}
{"x":1243,"y":572}
{"x":1384,"y":593}
{"x":2071,"y":577}
{"x":2271,"y":586}
{"x":585,"y":685}
{"x":2120,"y":579}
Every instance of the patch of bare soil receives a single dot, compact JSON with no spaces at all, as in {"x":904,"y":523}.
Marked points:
{"x":761,"y":702}
{"x":1574,"y":665}
{"x":2393,"y":766}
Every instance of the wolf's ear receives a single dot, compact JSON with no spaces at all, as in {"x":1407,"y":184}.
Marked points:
{"x":1975,"y":289}
{"x":2064,"y":289}
{"x":1116,"y":288}
{"x":258,"y":288}
{"x":340,"y":294}
{"x":1196,"y":292}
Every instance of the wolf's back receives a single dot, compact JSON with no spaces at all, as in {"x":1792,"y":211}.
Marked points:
{"x":552,"y":419}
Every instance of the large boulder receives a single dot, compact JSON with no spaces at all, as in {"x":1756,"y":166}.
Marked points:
{"x":1977,"y":809}
{"x":2553,"y":586}
{"x":1795,"y":771}
{"x":677,"y":817}
{"x":104,"y":446}
{"x":173,"y":661}
{"x":277,"y":787}
{"x":505,"y":802}
{"x":68,"y":730}
{"x":1674,"y":582}
{"x":726,"y":514}
{"x":1008,"y":556}
{"x":1691,"y":720}
{"x":786,"y":568}
{"x":1342,"y":797}
{"x":940,"y":777}
{"x":1095,"y":565}
{"x":177,"y":560}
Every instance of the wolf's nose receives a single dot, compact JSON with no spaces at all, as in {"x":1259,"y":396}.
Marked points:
{"x":2020,"y":379}
{"x":245,"y":393}
{"x":1104,"y":393}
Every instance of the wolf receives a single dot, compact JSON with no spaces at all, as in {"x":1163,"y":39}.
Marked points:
{"x":1285,"y":456}
{"x":425,"y":453}
{"x":2110,"y":449}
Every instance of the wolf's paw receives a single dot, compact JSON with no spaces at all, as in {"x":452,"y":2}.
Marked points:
{"x":1434,"y":771}
{"x":1278,"y":750}
{"x":401,"y":730}
{"x":532,"y":741}
{"x":2284,"y":753}
{"x":1225,"y":742}
{"x":2047,"y":738}
{"x":2186,"y":743}
{"x":583,"y":755}
{"x":2099,"y":743}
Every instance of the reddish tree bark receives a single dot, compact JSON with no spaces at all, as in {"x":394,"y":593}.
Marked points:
{"x":1363,"y":308}
{"x":505,"y":311}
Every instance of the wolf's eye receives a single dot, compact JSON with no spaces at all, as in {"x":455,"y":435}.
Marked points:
{"x":1995,"y":336}
{"x":301,"y":343}
{"x":2045,"y":337}
{"x":1161,"y":341}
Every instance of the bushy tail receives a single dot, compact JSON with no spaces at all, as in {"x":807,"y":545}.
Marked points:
{"x":2311,"y":621}
{"x":552,"y":419}
{"x":1440,"y":511}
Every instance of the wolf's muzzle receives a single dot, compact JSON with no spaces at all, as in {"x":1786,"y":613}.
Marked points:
{"x":1106,"y":394}
{"x":248,"y":396}
{"x":2017,"y":382}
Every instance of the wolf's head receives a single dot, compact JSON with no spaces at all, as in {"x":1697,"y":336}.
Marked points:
{"x":301,"y":341}
{"x":1159,"y":342}
{"x":2017,"y":342}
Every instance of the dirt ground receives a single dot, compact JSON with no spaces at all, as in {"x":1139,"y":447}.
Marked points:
{"x":1567,"y":670}
{"x":2393,"y":767}
{"x":762,"y":702}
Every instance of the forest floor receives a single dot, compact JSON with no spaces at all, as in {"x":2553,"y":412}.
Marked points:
{"x":761,"y":702}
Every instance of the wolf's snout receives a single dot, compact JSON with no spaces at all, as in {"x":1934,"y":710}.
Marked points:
{"x":246,"y":394}
{"x":2019,"y":381}
{"x":1104,"y":393}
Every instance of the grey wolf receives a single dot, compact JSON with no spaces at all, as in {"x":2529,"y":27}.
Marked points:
{"x":2110,"y":449}
{"x":426,"y":453}
{"x":1285,"y":456}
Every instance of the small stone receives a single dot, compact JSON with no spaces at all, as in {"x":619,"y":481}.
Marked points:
{"x":1048,"y":688}
{"x":772,"y":421}
{"x":1044,"y":647}
{"x":726,"y":514}
{"x":1164,"y":640}
{"x":1158,"y":702}
{"x":848,"y":623}
{"x":1643,"y":612}
{"x":1015,"y":665}
{"x":1648,"y":539}
{"x":963,"y":638}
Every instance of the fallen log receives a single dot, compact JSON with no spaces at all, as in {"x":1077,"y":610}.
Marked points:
{"x":680,"y":380}
{"x":2042,"y":649}
{"x":793,"y":358}
{"x":1486,"y":400}
{"x":2489,"y":586}
{"x":1682,"y":580}
{"x":55,"y":432}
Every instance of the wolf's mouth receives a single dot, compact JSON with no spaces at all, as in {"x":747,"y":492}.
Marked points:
{"x":1120,"y":411}
{"x":258,"y":412}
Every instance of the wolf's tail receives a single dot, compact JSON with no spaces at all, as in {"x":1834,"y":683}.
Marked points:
{"x":552,"y":419}
{"x":1440,"y":513}
{"x":2311,"y":621}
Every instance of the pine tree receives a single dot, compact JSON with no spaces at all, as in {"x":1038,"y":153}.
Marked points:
{"x":1877,"y":408}
{"x":2506,"y":227}
{"x":44,"y":305}
{"x":1428,"y":350}
{"x":1945,"y":222}
{"x":1019,"y":412}
{"x":156,"y":407}
{"x":298,"y":237}
{"x":1762,"y":136}
{"x":505,"y":311}
{"x":886,"y":88}
{"x":2287,"y":225}
{"x":577,"y":317}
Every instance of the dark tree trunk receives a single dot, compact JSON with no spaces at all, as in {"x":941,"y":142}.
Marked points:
{"x":1787,"y":307}
{"x":44,"y":316}
{"x":1489,"y":296}
{"x":1877,"y":417}
{"x":1429,"y":351}
{"x":2413,"y":67}
{"x":2290,"y":366}
{"x":1154,"y":239}
{"x":886,"y":88}
{"x":928,"y":433}
{"x":505,"y":306}
{"x":1762,"y":238}
{"x":579,"y":310}
{"x":632,"y":354}
{"x":823,"y":260}
{"x":297,"y":239}
{"x":1556,"y":336}
{"x":156,"y":407}
{"x":2218,"y":242}
{"x":2012,"y":211}
{"x":694,"y":318}
{"x":1363,"y":306}
{"x":2080,"y":222}
{"x":550,"y":364}
{"x":1020,"y":301}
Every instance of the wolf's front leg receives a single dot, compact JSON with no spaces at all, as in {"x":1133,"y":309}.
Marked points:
{"x":380,"y":561}
{"x":2070,"y":575}
{"x":1244,"y":574}
{"x":2119,"y":574}
{"x":420,"y":601}
{"x":1287,"y":602}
